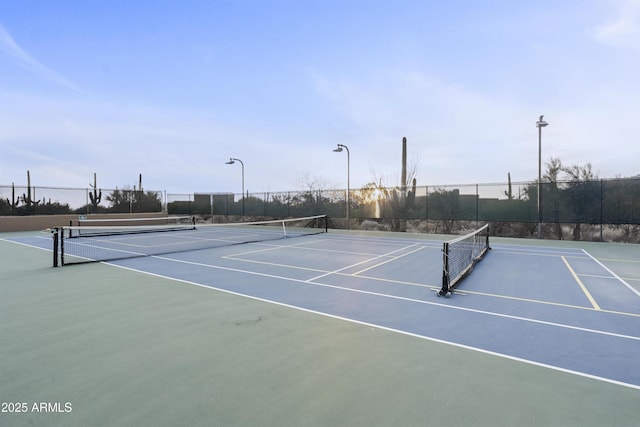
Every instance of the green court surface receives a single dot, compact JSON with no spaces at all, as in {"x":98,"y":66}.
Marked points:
{"x":98,"y":345}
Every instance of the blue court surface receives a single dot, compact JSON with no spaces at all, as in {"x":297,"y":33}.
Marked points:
{"x":540,"y":303}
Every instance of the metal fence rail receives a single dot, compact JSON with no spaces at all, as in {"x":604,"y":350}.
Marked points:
{"x":567,"y":207}
{"x":16,"y":200}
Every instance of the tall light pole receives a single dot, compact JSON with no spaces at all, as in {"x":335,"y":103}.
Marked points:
{"x":230,"y":162}
{"x":339,"y":150}
{"x":540,"y":124}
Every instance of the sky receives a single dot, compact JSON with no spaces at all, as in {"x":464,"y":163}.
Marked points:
{"x":173,"y":89}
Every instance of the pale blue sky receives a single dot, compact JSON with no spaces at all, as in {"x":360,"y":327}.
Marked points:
{"x":172,"y":89}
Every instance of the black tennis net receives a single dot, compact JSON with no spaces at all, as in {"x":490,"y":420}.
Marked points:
{"x":460,"y":255}
{"x":109,"y":226}
{"x":93,"y":243}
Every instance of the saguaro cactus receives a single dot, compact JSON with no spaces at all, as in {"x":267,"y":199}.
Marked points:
{"x":96,"y":195}
{"x":402,"y":201}
{"x":27,"y":199}
{"x":509,"y":192}
{"x":13,"y":202}
{"x":411,"y":195}
{"x":403,"y":177}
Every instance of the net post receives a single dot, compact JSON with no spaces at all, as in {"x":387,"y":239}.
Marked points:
{"x":326,"y":223}
{"x":55,"y":246}
{"x":487,"y":236}
{"x":61,"y":237}
{"x":445,"y":270}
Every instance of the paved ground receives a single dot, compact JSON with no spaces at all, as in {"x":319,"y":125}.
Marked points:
{"x":102,"y":345}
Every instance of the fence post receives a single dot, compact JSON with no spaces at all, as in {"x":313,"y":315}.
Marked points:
{"x":601,"y":209}
{"x":477,"y":205}
{"x":426,"y":204}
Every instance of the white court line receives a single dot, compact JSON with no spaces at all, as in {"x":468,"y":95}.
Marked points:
{"x":361,"y":262}
{"x":541,"y":249}
{"x":536,"y":253}
{"x":472,"y":310}
{"x":635,"y":291}
{"x":389,"y":260}
{"x":388,"y":240}
{"x":597,"y":276}
{"x":301,"y":246}
{"x":466,"y":347}
{"x":295,"y":267}
{"x":273,"y":264}
{"x":28,"y":245}
{"x":584,"y":289}
{"x":270,"y":247}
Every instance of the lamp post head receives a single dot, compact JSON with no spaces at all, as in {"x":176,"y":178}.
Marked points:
{"x":339,"y":149}
{"x":541,"y":123}
{"x":230,"y":162}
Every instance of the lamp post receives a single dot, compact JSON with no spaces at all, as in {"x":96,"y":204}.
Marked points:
{"x":230,"y":162}
{"x":540,"y":124}
{"x":339,"y":150}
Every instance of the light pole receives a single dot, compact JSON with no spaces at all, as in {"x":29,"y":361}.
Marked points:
{"x":339,"y":150}
{"x":230,"y":162}
{"x":540,"y":124}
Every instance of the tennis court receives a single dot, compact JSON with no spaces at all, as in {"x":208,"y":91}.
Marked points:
{"x":337,"y":328}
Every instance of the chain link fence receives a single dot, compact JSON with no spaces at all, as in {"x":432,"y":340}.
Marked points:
{"x":606,"y":209}
{"x":18,"y":200}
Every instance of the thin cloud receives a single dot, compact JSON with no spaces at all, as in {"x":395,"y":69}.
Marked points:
{"x":25,"y":60}
{"x":622,"y":30}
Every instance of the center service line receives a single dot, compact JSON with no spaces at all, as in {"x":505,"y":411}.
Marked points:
{"x":582,"y":286}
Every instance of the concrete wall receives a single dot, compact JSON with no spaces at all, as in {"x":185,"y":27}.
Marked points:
{"x":42,"y":222}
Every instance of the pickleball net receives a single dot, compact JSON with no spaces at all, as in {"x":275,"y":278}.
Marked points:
{"x":113,"y":226}
{"x":460,"y":255}
{"x":95,"y":243}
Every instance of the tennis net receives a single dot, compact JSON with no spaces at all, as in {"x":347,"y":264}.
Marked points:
{"x":460,"y":255}
{"x":92,"y":243}
{"x":109,"y":226}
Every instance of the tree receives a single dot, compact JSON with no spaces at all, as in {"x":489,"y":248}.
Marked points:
{"x":402,"y":199}
{"x":149,"y":201}
{"x":128,"y":200}
{"x":582,"y":195}
{"x":445,"y":206}
{"x":120,"y":201}
{"x":550,"y":194}
{"x":368,"y":200}
{"x":310,"y":200}
{"x":553,"y":169}
{"x":573,"y":199}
